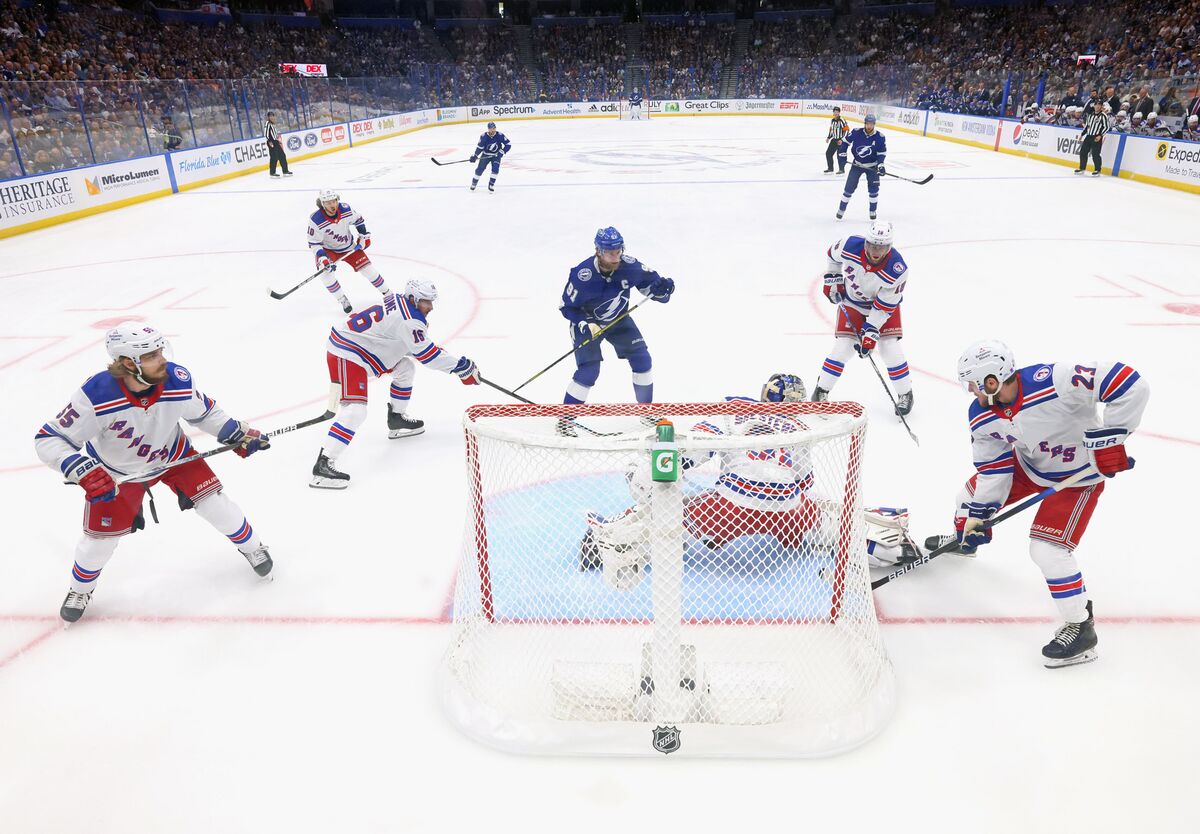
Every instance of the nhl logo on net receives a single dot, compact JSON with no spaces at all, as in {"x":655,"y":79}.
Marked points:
{"x":665,"y":739}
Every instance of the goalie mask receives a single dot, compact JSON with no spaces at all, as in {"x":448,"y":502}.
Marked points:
{"x":783,"y":388}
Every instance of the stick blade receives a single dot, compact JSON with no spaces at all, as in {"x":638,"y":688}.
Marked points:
{"x":927,"y":179}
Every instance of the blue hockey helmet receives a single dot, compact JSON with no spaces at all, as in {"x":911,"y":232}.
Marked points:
{"x":609,"y":238}
{"x":783,"y":388}
{"x":869,"y":119}
{"x":491,"y":125}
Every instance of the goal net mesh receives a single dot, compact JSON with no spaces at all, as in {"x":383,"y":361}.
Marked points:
{"x":728,"y":611}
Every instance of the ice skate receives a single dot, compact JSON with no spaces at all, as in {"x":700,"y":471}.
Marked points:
{"x":904,"y":404}
{"x":325,"y":476}
{"x":1074,"y":643}
{"x":260,"y":560}
{"x":401,"y":425}
{"x":73,"y":606}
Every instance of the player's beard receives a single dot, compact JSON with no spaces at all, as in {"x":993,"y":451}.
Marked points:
{"x":152,"y":379}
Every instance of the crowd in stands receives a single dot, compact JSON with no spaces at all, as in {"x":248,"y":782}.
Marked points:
{"x":686,"y":61}
{"x":91,"y":83}
{"x":581,"y":63}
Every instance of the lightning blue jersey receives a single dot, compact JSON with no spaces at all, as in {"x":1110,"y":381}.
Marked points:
{"x":492,"y":145}
{"x":590,"y":295}
{"x":866,"y":151}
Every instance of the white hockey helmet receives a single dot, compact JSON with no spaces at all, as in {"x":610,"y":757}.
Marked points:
{"x":1151,"y":116}
{"x":327,"y":195}
{"x":983,"y":359}
{"x":420,"y":290}
{"x":783,"y":388}
{"x":1193,"y":119}
{"x":133,"y":341}
{"x":878,"y":241}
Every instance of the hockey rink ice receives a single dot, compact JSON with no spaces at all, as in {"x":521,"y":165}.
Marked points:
{"x":194,"y":698}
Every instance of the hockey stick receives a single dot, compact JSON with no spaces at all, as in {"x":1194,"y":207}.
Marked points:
{"x":599,"y":333}
{"x":928,"y":177}
{"x":895,"y":404}
{"x":452,"y":162}
{"x":574,"y":423}
{"x":316,"y":274}
{"x":154,"y":473}
{"x":1086,"y":472}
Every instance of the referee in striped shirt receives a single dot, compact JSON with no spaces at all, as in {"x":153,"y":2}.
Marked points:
{"x":275,"y":145}
{"x":837,"y":131}
{"x":1094,"y":128}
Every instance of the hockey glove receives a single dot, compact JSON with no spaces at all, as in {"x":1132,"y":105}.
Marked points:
{"x":868,"y":338}
{"x":967,"y":526}
{"x":323,"y":262}
{"x":585,"y":331}
{"x":835,"y":290}
{"x":879,"y":169}
{"x":467,"y":372}
{"x":1107,"y":448}
{"x":248,"y":440}
{"x":364,"y":240}
{"x":661,"y":289}
{"x":473,"y":158}
{"x":93,"y":477}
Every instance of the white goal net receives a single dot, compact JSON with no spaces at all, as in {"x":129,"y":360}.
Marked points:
{"x":603,"y":609}
{"x":627,"y":112}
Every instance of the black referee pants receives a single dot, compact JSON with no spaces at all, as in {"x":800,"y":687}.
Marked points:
{"x":830,"y":150}
{"x":278,"y":157}
{"x":1091,"y":144}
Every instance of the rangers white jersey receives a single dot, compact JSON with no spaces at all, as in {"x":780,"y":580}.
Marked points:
{"x":1042,"y":432}
{"x":335,"y":234}
{"x":760,"y":479}
{"x":380,"y":336}
{"x":875,"y":290}
{"x":128,"y":433}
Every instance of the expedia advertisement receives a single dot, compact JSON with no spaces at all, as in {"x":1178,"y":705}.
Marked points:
{"x":1166,"y":161}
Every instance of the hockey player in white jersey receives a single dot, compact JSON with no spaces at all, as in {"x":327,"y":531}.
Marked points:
{"x":338,"y":234}
{"x":125,"y":422}
{"x":865,"y":278}
{"x":382,"y":339}
{"x":1032,"y":428}
{"x":756,"y":492}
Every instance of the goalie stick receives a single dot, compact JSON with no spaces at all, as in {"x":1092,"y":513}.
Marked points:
{"x":927,"y":178}
{"x":599,"y":333}
{"x":316,"y":274}
{"x":1087,"y":472}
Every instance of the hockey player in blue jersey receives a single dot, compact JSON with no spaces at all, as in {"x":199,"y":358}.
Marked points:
{"x":596,"y":296}
{"x":867,"y":148}
{"x":492,"y":147}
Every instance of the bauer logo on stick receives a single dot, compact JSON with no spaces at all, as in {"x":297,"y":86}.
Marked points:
{"x":666,"y":739}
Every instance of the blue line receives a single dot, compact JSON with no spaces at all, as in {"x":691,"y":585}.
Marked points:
{"x":925,"y":127}
{"x":1116,"y":169}
{"x":658,"y":183}
{"x":171,"y":174}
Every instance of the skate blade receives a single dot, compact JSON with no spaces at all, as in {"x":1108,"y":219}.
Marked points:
{"x":396,"y":434}
{"x":1085,"y":657}
{"x":325,"y":483}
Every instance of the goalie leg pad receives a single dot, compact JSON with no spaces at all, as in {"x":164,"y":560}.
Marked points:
{"x":621,"y":545}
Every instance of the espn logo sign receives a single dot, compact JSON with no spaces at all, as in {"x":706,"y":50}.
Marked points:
{"x":789,"y":105}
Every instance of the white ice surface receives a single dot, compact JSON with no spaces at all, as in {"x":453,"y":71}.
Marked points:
{"x":192,"y":698}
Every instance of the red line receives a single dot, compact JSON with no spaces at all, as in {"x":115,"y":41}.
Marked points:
{"x":107,"y":309}
{"x":1128,"y":292}
{"x":1163,"y":324}
{"x":1158,"y":436}
{"x":36,"y":641}
{"x":65,"y":357}
{"x":1151,"y":619}
{"x":231,"y":619}
{"x":175,"y":305}
{"x":1165,"y":289}
{"x":504,"y":298}
{"x":57,"y":340}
